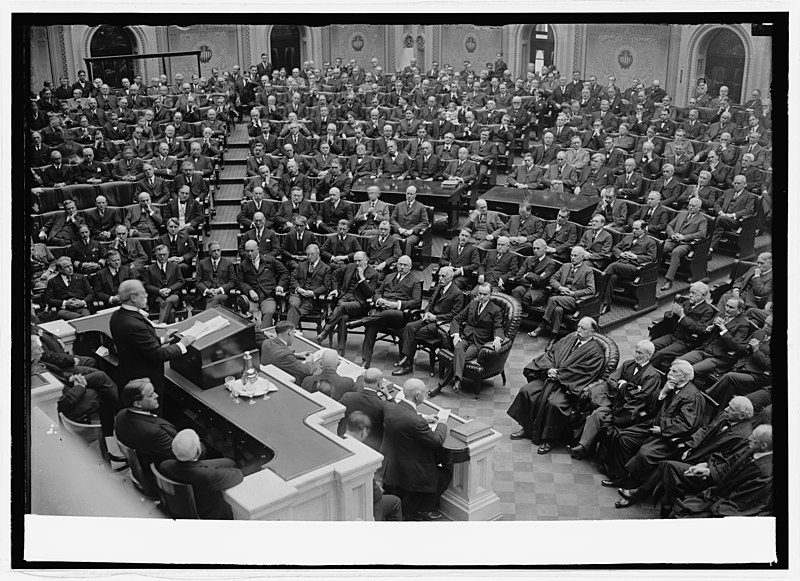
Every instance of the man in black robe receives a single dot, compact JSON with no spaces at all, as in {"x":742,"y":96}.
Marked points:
{"x":744,"y":490}
{"x":704,"y":458}
{"x":557,"y":378}
{"x":635,"y":451}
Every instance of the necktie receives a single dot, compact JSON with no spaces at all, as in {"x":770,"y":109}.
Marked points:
{"x":115,"y":279}
{"x":69,"y":280}
{"x":381,"y":241}
{"x":214,"y":265}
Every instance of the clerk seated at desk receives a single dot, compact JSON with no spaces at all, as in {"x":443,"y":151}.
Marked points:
{"x":277,"y":352}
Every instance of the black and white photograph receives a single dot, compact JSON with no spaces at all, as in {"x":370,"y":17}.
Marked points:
{"x":435,"y":289}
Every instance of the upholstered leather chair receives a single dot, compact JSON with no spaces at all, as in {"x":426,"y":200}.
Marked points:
{"x":489,"y":362}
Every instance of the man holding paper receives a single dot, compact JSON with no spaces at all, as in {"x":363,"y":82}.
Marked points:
{"x":140,"y":352}
{"x":410,"y":443}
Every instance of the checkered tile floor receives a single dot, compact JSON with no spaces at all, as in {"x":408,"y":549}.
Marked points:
{"x":530,"y":486}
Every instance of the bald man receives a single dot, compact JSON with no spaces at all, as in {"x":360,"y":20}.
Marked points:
{"x":328,"y":364}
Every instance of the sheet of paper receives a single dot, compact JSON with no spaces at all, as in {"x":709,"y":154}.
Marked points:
{"x":443,"y":415}
{"x":200,"y":330}
{"x":349,"y":369}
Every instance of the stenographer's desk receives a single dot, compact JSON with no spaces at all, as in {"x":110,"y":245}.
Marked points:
{"x":311,"y":473}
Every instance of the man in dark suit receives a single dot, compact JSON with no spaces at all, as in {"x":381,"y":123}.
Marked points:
{"x":527,"y":175}
{"x":399,"y":292}
{"x":572,"y":281}
{"x":61,"y":229}
{"x":139,"y":428}
{"x":185,"y":211}
{"x":144,"y":219}
{"x":163,"y":281}
{"x":409,"y":219}
{"x":464,"y":258}
{"x":155,"y":186}
{"x":309,"y":281}
{"x":427,"y":166}
{"x":597,"y":242}
{"x":476,"y":325}
{"x":296,"y":206}
{"x":164,"y":163}
{"x":632,"y":252}
{"x":129,"y":168}
{"x":264,"y":236}
{"x":410,"y":441}
{"x":532,"y":280}
{"x":130,"y":250}
{"x":629,"y":183}
{"x":462,"y":169}
{"x":751,"y":375}
{"x":361,"y":164}
{"x":613,"y":210}
{"x":332,"y":211}
{"x":189,"y":177}
{"x":653,"y":215}
{"x":108,"y":279}
{"x":276,"y":351}
{"x":369,"y":399}
{"x":556,"y":380}
{"x":731,"y":209}
{"x":340,"y":248}
{"x":669,"y":186}
{"x":560,"y":235}
{"x":262,"y":277}
{"x":725,"y":341}
{"x":355,"y":283}
{"x":594,"y":177}
{"x":689,"y":225}
{"x":635,"y":451}
{"x":86,"y":254}
{"x":523,"y":229}
{"x":394,"y":164}
{"x":70,"y":294}
{"x":754,"y":286}
{"x":560,"y":174}
{"x":182,"y":248}
{"x":90,"y":171}
{"x":627,"y":397}
{"x":208,"y":478}
{"x":484,"y":153}
{"x":710,"y":449}
{"x":296,"y":243}
{"x":688,"y":318}
{"x":383,"y":250}
{"x":498,"y":267}
{"x":216,"y":277}
{"x":328,"y":364}
{"x":139,"y":350}
{"x":544,"y":154}
{"x":254,"y":206}
{"x":446,"y":300}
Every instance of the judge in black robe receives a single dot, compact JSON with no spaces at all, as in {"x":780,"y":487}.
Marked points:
{"x":557,"y":377}
{"x":744,"y":490}
{"x":635,"y":451}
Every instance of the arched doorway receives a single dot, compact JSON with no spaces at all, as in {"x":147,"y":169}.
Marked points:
{"x":111,"y":41}
{"x":725,"y":58}
{"x":542,"y":46}
{"x":285,"y":43}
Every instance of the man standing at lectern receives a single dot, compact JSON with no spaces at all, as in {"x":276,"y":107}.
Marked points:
{"x":139,"y":349}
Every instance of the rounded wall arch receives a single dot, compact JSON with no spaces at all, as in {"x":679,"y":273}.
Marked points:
{"x":140,"y":66}
{"x":519,"y":37}
{"x":307,"y":42}
{"x":698,"y":44}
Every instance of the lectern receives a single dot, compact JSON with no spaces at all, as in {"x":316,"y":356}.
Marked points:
{"x":210,"y":359}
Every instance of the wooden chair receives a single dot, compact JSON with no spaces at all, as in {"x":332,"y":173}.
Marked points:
{"x":139,"y":477}
{"x":176,"y":498}
{"x":90,"y":433}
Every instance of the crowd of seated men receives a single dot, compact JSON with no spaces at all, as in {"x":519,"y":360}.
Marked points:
{"x":666,"y":178}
